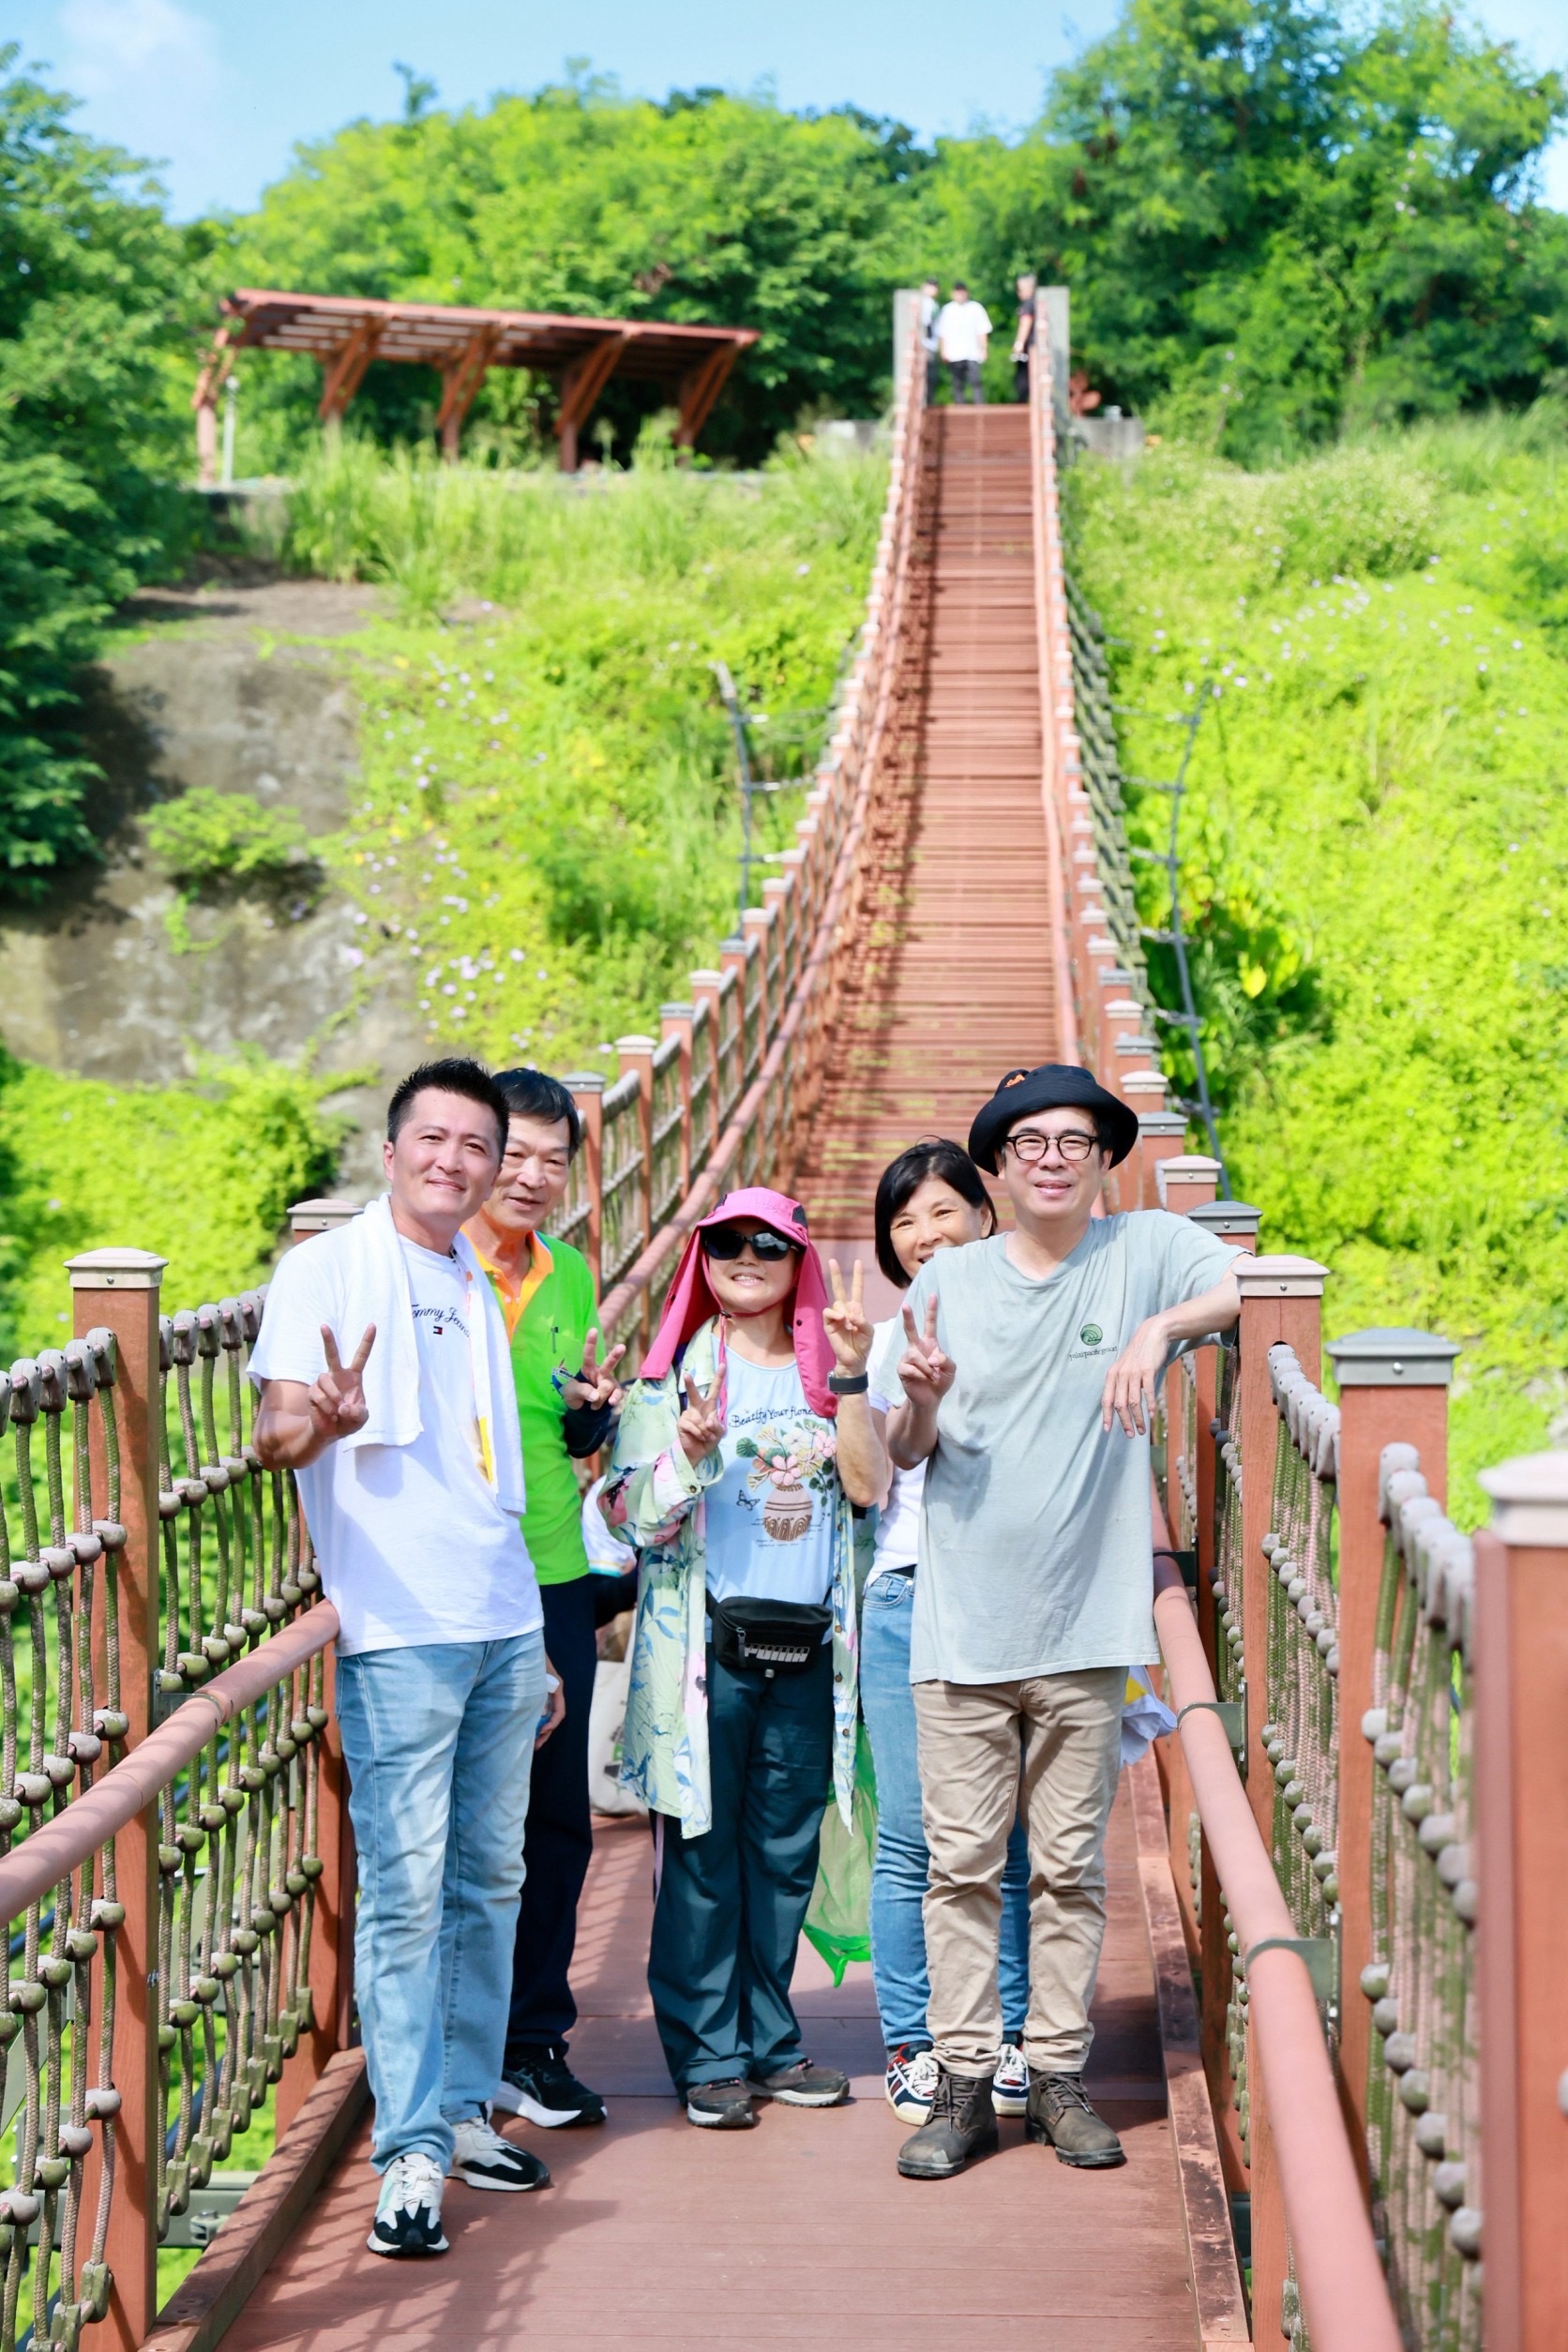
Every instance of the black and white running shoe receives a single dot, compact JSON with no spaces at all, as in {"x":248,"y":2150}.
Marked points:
{"x":482,"y":2158}
{"x":543,"y":2088}
{"x":408,"y":2210}
{"x":721,"y":2106}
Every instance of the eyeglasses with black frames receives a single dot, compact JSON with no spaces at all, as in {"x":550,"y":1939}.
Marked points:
{"x":1029,"y":1148}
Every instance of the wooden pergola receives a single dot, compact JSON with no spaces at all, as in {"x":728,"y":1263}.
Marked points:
{"x":346,"y":332}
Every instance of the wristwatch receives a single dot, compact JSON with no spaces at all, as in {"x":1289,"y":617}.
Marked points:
{"x":849,"y":1383}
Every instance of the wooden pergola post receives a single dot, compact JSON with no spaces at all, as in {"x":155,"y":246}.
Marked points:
{"x":580,"y":386}
{"x":344,"y":373}
{"x":460,"y":379}
{"x":700,"y":388}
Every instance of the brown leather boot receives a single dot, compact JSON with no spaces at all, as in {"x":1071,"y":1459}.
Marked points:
{"x":961,"y":2124}
{"x":1061,"y":2116}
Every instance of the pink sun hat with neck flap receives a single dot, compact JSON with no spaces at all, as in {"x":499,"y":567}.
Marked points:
{"x":690,"y":1302}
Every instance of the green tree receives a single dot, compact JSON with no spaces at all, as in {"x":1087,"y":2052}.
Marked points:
{"x":92,"y":284}
{"x":1276,"y":217}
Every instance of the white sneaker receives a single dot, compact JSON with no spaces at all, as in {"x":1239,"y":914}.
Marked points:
{"x":482,"y":2158}
{"x":408,"y":2210}
{"x":912,"y":2083}
{"x":1010,"y":2083}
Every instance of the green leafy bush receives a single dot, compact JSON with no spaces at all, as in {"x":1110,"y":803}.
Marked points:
{"x":1375,"y":871}
{"x":201,"y":1173}
{"x":548,"y":835}
{"x":206,"y":836}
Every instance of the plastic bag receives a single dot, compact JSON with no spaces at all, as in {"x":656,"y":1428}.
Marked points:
{"x":607,"y":1720}
{"x":1145,"y":1716}
{"x":838,"y":1919}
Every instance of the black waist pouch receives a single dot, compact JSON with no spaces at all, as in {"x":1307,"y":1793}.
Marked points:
{"x":767,"y":1636}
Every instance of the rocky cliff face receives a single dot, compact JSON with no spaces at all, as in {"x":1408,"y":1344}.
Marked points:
{"x":237,"y":688}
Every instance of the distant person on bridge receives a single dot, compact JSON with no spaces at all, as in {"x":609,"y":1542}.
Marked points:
{"x":566,"y":1402}
{"x":735,"y":1483}
{"x":1023,"y":340}
{"x":963,"y":331}
{"x":1030,"y":1373}
{"x":931,"y":1199}
{"x":387,"y":1387}
{"x":931,"y":303}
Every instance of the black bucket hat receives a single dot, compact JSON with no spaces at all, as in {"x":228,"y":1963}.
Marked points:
{"x":1053,"y":1086}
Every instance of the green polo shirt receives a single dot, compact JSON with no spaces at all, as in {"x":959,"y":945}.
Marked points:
{"x":557,"y":1314}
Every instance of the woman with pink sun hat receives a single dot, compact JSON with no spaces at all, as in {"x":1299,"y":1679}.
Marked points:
{"x":733,"y":1475}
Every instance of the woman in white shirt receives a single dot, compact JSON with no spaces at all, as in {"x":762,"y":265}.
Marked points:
{"x":930,"y":1198}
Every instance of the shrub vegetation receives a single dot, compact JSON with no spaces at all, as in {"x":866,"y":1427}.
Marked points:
{"x":1375,"y":862}
{"x":549,"y":834}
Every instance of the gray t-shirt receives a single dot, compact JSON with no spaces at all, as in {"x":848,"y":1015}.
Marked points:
{"x":1035,"y":1537}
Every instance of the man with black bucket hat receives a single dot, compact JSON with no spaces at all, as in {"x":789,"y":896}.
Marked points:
{"x":1032,"y":1362}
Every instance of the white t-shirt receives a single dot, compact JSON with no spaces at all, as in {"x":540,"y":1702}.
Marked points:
{"x":412,"y":1544}
{"x":768,"y":1520}
{"x":962,"y":329}
{"x":898,"y":1522}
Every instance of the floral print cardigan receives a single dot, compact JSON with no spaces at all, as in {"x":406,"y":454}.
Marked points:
{"x":655,"y":1497}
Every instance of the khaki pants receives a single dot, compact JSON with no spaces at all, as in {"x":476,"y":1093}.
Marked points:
{"x":1068,"y":1730}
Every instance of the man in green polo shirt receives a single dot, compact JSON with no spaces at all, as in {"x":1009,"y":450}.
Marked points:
{"x":566,"y":1402}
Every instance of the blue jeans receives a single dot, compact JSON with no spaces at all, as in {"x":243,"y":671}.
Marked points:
{"x":902,"y":1867}
{"x":439,"y":1744}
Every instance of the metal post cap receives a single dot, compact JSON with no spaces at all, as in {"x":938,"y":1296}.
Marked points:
{"x":1226,"y":1216}
{"x":116,"y":1269}
{"x":1284,"y":1276}
{"x":1392,"y":1356}
{"x":1529,"y":1500}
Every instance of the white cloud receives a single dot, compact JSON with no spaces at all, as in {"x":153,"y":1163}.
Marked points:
{"x":136,"y":47}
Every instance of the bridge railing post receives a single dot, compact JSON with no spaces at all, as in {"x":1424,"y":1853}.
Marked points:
{"x":587,"y":1091}
{"x":118,"y":1290}
{"x":1393,"y":1390}
{"x":1281,"y":1301}
{"x":1521,"y":1773}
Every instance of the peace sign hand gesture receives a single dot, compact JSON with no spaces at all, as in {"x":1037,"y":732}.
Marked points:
{"x":702,"y":1424}
{"x":337,"y":1399}
{"x":595,"y":1384}
{"x":848,"y":1326}
{"x":924,"y":1371}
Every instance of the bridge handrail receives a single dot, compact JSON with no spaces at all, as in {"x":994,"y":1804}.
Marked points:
{"x":1343,"y":2292}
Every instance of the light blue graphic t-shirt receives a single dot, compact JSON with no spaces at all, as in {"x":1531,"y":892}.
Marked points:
{"x":769,"y":1518}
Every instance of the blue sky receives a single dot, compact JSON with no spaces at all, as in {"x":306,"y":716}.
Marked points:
{"x":218,"y":90}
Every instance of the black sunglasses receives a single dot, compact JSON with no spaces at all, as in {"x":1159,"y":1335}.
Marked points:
{"x":725,"y":1241}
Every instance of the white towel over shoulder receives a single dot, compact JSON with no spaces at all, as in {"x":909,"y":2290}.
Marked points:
{"x":370,"y":1277}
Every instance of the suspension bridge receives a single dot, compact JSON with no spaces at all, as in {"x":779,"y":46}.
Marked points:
{"x":1331,"y":2023}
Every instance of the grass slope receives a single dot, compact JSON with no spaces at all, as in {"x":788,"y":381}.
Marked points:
{"x":1374,"y":863}
{"x":549,"y":834}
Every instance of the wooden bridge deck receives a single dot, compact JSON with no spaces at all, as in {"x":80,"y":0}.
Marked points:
{"x":653,"y":2236}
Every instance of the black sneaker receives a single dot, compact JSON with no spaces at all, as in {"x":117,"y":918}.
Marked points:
{"x":1061,"y":2116}
{"x":962,"y":2124}
{"x":803,"y":2085}
{"x":542,"y":2087}
{"x":723,"y":2106}
{"x":408,"y":2210}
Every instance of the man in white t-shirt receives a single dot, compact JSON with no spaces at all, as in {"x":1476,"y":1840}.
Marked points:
{"x":963,"y":331}
{"x":385,"y":1387}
